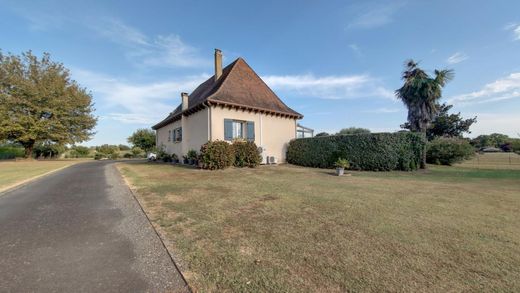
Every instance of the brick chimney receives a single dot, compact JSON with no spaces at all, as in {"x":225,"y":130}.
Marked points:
{"x":184,"y":97}
{"x":218,"y":64}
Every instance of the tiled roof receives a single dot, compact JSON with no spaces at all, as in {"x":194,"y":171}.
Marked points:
{"x":239,"y":86}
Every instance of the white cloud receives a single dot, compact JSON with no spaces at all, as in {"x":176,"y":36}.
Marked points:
{"x":376,"y":15}
{"x":156,"y":51}
{"x":147,"y":103}
{"x":515,"y":28}
{"x":138,"y":103}
{"x":119,"y":32}
{"x":329,"y":87}
{"x":457,"y":58}
{"x":488,"y":123}
{"x":502,"y":89}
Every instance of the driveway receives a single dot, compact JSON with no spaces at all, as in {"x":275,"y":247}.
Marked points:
{"x":81,"y":230}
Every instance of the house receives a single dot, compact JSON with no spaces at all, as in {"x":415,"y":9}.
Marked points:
{"x":235,"y":103}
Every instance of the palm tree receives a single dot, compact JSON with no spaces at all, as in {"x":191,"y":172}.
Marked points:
{"x":421,"y":94}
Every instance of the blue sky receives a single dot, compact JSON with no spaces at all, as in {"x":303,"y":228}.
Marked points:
{"x":336,"y":62}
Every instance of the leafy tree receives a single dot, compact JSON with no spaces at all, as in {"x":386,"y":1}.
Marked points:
{"x":143,"y":138}
{"x":107,"y":149}
{"x":137,"y":151}
{"x":448,"y":150}
{"x":48,"y":150}
{"x":40,"y":103}
{"x":123,"y":147}
{"x":490,"y":140}
{"x":515,"y":144}
{"x":322,"y":134}
{"x":353,"y":130}
{"x":421,"y":93}
{"x":446,"y":125}
{"x":81,"y":151}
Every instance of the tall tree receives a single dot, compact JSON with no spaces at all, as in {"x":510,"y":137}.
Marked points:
{"x":353,"y":130}
{"x":40,"y":103}
{"x":421,"y":94}
{"x":490,"y":140}
{"x":143,"y":138}
{"x":446,"y":125}
{"x":322,"y":134}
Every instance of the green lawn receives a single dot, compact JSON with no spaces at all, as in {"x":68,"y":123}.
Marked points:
{"x":14,"y":172}
{"x":501,"y":161}
{"x":292,"y":229}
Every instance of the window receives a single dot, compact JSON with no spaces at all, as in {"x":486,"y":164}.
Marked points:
{"x":237,"y":129}
{"x":177,"y":134}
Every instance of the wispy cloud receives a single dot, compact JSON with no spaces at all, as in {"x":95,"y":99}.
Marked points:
{"x":515,"y":28}
{"x":375,"y":15}
{"x":502,"y":89}
{"x":457,"y":58}
{"x":355,"y":48}
{"x":138,"y":103}
{"x":157,"y":51}
{"x":329,"y":87}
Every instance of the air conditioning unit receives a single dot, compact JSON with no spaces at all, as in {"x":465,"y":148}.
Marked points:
{"x":263,"y":153}
{"x":272,"y":160}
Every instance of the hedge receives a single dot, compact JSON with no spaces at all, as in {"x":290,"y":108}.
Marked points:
{"x":11,"y":152}
{"x":371,"y":152}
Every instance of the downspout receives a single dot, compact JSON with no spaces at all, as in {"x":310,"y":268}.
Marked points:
{"x":261,"y":130}
{"x":209,"y":123}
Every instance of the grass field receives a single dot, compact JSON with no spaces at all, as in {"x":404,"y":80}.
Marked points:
{"x":13,"y":172}
{"x":503,"y":161}
{"x":292,"y":229}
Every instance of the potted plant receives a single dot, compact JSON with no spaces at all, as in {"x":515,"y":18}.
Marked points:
{"x":175,"y":159}
{"x":341,"y":164}
{"x":192,"y":156}
{"x":166,"y":158}
{"x":185,"y":160}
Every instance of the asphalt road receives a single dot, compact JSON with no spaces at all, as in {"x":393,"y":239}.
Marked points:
{"x":81,"y":230}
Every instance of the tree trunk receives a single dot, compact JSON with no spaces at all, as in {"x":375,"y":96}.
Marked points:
{"x":28,"y":150}
{"x":423,"y":159}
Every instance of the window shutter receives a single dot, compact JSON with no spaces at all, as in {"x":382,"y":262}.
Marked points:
{"x":169,"y":135}
{"x":228,"y":129}
{"x":180,"y":133}
{"x":250,"y":131}
{"x":173,"y":135}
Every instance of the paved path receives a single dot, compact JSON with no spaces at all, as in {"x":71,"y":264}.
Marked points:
{"x":80,"y":230}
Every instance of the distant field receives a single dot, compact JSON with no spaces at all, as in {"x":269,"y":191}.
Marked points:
{"x":13,"y":172}
{"x":294,"y":229}
{"x":506,"y":161}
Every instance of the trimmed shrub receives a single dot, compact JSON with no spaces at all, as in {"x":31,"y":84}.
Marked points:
{"x":373,"y":152}
{"x":137,"y":152}
{"x":447,"y":151}
{"x":99,"y":156}
{"x":165,"y":157}
{"x":11,"y":152}
{"x":246,"y":154}
{"x":216,"y":154}
{"x":128,"y":156}
{"x":114,"y":156}
{"x":192,"y":154}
